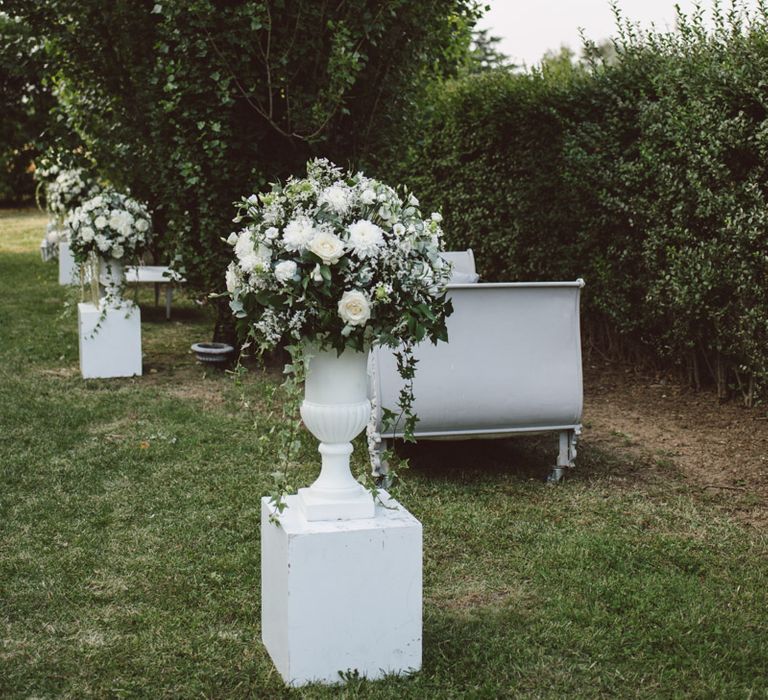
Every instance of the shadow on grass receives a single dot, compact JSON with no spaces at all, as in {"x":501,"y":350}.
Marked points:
{"x":523,"y":458}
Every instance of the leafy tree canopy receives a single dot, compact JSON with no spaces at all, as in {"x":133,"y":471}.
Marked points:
{"x":192,"y":103}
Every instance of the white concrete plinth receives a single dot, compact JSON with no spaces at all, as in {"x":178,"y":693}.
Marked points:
{"x":68,"y":268}
{"x":110,"y":340}
{"x":341,"y":595}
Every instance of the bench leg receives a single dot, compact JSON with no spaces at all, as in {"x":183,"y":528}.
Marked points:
{"x":566,"y":456}
{"x":377,"y":448}
{"x":168,"y":300}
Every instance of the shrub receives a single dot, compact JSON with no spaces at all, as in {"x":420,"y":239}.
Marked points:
{"x":645,"y":174}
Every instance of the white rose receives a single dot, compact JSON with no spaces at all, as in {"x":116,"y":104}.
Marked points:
{"x":117,"y":251}
{"x":115,"y":219}
{"x":87,"y":234}
{"x":354,"y":308}
{"x":328,"y":247}
{"x":142,"y":225}
{"x":365,"y":238}
{"x":285,"y":271}
{"x":368,"y":197}
{"x":100,"y":222}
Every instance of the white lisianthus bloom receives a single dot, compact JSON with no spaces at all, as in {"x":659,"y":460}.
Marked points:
{"x":142,"y":225}
{"x":436,"y":216}
{"x":327,"y":246}
{"x":298,"y":233}
{"x":285,"y":270}
{"x":365,"y":238}
{"x":232,"y":238}
{"x":100,"y":222}
{"x":102,"y":242}
{"x":413,"y":201}
{"x":271,"y":233}
{"x":316,"y":274}
{"x":398,"y":229}
{"x":244,"y":245}
{"x":368,"y":197}
{"x":337,"y":197}
{"x":117,"y":251}
{"x":87,"y":234}
{"x":233,"y":279}
{"x":354,"y":308}
{"x":265,"y":253}
{"x":273,"y":213}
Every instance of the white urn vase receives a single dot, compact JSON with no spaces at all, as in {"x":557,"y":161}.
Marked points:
{"x":335,"y":410}
{"x":111,"y":278}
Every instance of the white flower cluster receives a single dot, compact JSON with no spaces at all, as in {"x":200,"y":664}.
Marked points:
{"x":68,"y":190}
{"x":111,"y":224}
{"x":337,"y":255}
{"x":49,"y":246}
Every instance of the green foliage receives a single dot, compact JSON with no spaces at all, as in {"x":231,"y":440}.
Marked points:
{"x":192,"y":104}
{"x":643,"y":170}
{"x":24,"y":106}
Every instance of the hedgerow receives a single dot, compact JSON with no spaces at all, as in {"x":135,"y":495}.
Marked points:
{"x":645,"y":174}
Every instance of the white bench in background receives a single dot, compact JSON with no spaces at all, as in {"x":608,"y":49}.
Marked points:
{"x":512,"y":366}
{"x":156,"y":275}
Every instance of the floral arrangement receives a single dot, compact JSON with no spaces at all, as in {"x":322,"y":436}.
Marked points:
{"x":340,"y":260}
{"x":49,"y":247}
{"x":109,"y":225}
{"x":66,"y":189}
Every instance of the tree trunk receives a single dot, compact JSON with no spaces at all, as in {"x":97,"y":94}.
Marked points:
{"x":224,"y":330}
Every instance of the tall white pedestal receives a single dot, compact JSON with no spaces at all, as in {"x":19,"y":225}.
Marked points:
{"x":341,"y":595}
{"x":68,"y":268}
{"x":110,"y":342}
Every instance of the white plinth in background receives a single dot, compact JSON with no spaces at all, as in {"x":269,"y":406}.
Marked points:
{"x":67,"y":266}
{"x":110,"y":343}
{"x":341,"y":595}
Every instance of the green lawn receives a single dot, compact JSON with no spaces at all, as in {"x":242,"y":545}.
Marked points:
{"x":129,"y":539}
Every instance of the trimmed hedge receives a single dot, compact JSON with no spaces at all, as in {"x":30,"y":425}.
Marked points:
{"x":646,"y":176}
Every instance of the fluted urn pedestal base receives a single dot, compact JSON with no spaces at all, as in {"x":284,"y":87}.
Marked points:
{"x":335,"y":498}
{"x":335,"y":409}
